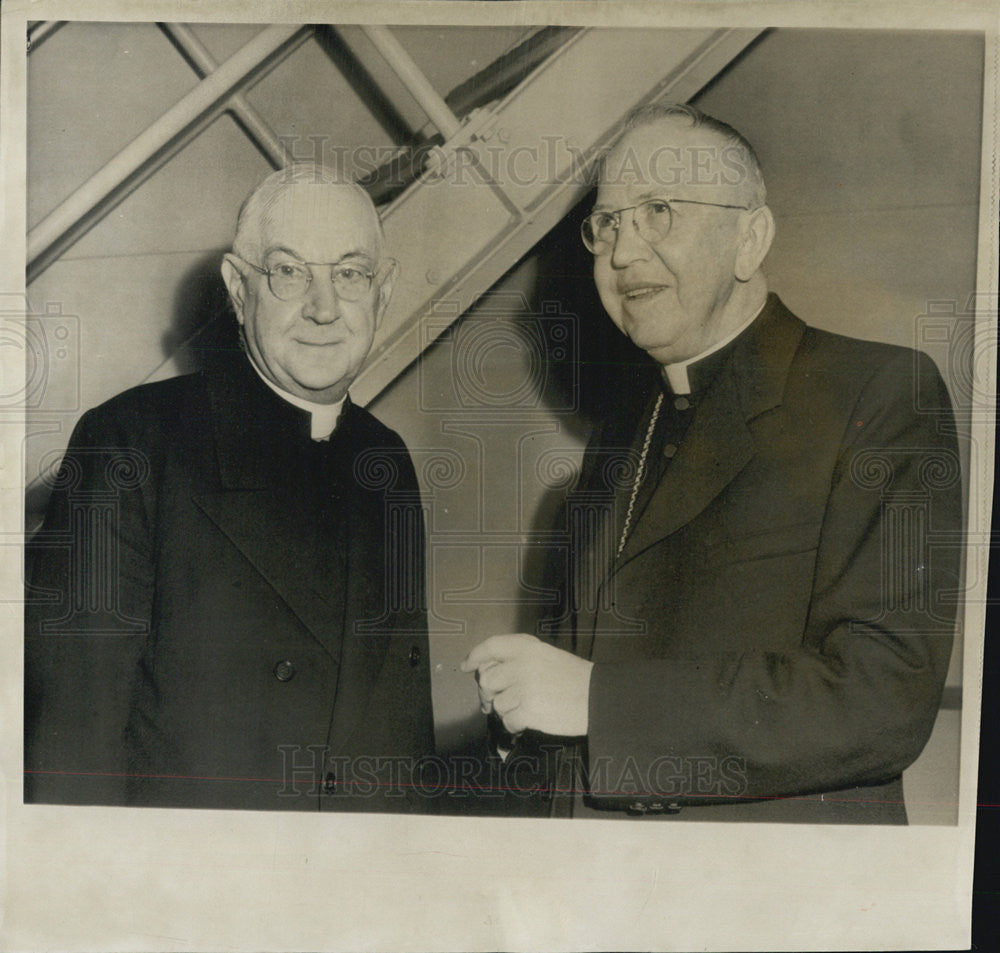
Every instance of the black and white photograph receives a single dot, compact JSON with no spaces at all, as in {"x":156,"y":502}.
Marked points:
{"x":495,"y":475}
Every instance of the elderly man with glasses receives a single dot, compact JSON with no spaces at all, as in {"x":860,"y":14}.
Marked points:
{"x":226,"y":604}
{"x":762,"y":576}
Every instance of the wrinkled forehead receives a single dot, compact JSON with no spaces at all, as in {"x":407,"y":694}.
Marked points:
{"x":672,"y":159}
{"x":321,"y":222}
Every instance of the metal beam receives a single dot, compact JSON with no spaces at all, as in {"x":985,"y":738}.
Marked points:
{"x":511,"y":173}
{"x":41,"y":31}
{"x":206,"y":99}
{"x":410,"y":74}
{"x":248,"y":117}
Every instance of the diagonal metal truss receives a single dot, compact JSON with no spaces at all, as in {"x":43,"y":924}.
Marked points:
{"x":253,"y":124}
{"x":470,"y":216}
{"x":157,"y":144}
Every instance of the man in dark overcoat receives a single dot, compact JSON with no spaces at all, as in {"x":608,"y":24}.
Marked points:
{"x":762,"y":576}
{"x":226,"y":604}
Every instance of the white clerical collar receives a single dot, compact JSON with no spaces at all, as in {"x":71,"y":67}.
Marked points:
{"x":322,"y":417}
{"x":677,"y":374}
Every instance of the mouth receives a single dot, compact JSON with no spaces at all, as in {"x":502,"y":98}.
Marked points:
{"x":318,"y":343}
{"x":642,"y":292}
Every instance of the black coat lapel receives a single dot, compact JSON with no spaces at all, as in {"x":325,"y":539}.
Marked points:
{"x":365,"y":645}
{"x":719,"y":442}
{"x":716,"y":447}
{"x":289,"y":552}
{"x":268,"y":501}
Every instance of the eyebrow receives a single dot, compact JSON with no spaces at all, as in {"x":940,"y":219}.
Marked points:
{"x":353,"y":253}
{"x":644,"y":197}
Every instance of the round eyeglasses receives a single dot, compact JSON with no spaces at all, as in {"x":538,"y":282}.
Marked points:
{"x":289,"y":280}
{"x":652,"y":220}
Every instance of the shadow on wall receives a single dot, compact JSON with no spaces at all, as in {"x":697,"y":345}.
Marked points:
{"x":602,"y":373}
{"x":203,"y":325}
{"x":203,"y":321}
{"x":609,"y":366}
{"x":608,"y":370}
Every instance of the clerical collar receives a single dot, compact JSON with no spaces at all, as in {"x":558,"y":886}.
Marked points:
{"x":678,"y":375}
{"x":322,"y":417}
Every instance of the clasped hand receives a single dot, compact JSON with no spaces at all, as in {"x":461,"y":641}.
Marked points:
{"x":531,"y":684}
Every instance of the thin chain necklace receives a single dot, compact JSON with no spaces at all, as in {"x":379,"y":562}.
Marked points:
{"x":639,"y":474}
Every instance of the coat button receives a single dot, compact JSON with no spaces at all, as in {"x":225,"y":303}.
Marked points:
{"x":682,"y":403}
{"x":284,"y":671}
{"x":330,"y":783}
{"x":415,"y":656}
{"x":669,"y":450}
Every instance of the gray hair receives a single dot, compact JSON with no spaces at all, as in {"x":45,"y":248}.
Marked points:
{"x":267,"y":192}
{"x":743,"y":152}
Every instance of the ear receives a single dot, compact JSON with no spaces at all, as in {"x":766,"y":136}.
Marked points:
{"x":235,"y":284}
{"x":755,"y":243}
{"x":386,"y":282}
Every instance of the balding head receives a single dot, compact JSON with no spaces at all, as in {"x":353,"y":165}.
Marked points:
{"x":308,"y":186}
{"x":684,"y":148}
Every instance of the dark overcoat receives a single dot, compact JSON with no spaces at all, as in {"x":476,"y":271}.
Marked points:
{"x":224,"y":613}
{"x":773,"y":640}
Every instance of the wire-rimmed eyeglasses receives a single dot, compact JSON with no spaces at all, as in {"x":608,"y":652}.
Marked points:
{"x":652,"y":220}
{"x":289,"y":280}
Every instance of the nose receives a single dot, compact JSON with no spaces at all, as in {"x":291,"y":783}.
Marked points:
{"x":321,"y":302}
{"x":628,"y":246}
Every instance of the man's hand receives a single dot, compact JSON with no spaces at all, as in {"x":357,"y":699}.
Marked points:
{"x":531,"y":684}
